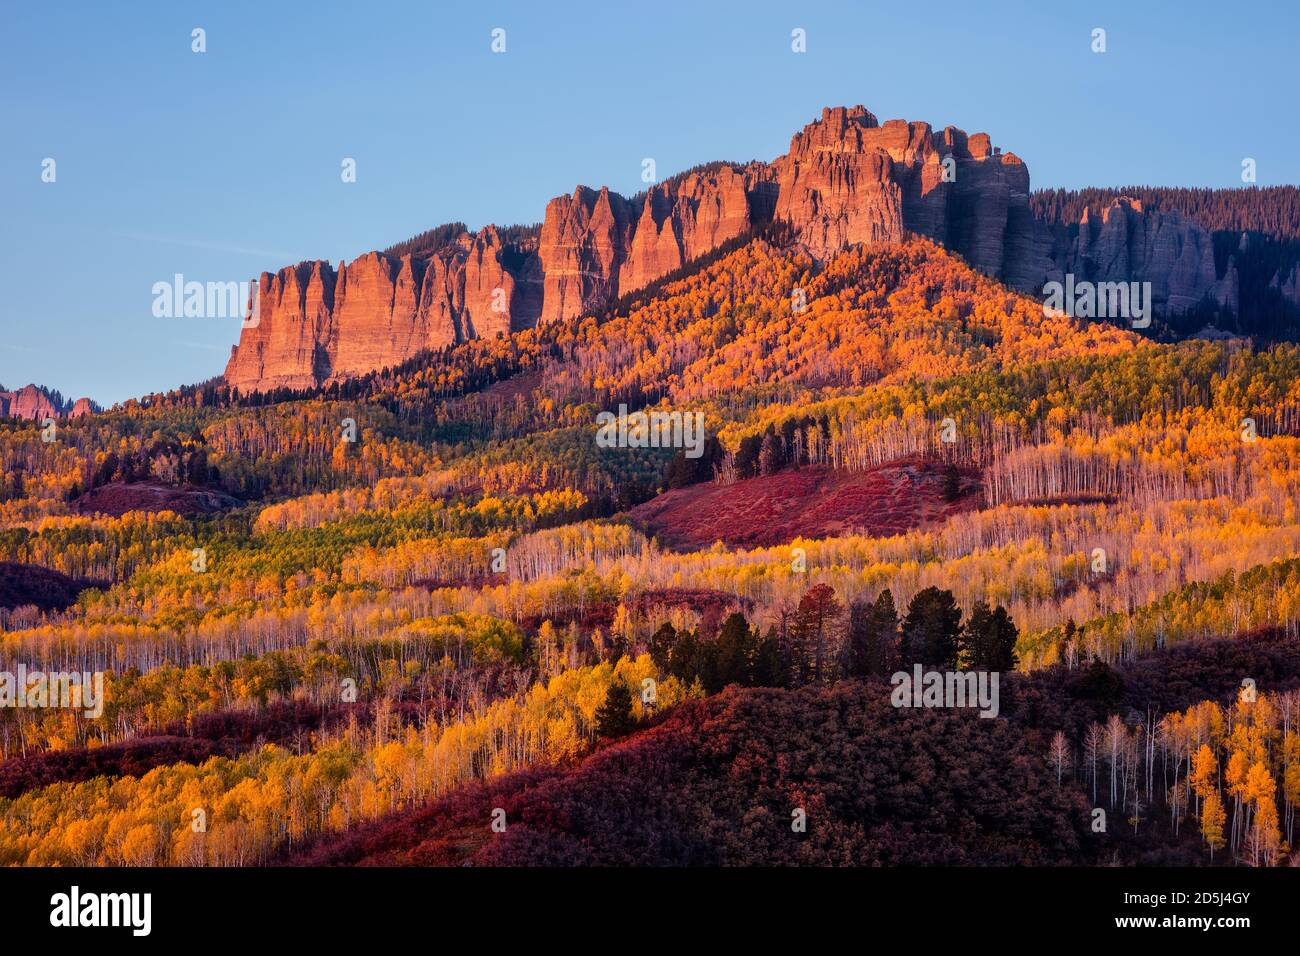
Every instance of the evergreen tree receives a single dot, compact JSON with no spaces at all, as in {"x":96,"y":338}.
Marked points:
{"x":814,"y":628}
{"x":747,"y":456}
{"x":771,"y":669}
{"x":661,"y":645}
{"x":684,"y":660}
{"x":1001,"y":641}
{"x":733,"y":655}
{"x":858,"y":639}
{"x":614,"y":716}
{"x":683,"y":471}
{"x":988,"y":640}
{"x":931,"y":630}
{"x":871,"y":645}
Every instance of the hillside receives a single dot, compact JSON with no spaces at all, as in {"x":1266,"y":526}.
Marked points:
{"x":24,"y":584}
{"x":716,"y":782}
{"x":809,"y":502}
{"x":342,"y":614}
{"x":578,"y":451}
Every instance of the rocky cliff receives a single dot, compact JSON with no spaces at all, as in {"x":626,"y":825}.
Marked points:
{"x":1122,"y":243}
{"x":846,"y":179}
{"x":315,"y":323}
{"x":38,"y":403}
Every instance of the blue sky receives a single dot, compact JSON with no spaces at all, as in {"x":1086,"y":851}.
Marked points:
{"x":224,"y":164}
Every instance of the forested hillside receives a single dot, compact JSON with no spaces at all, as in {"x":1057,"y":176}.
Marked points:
{"x":349,"y":624}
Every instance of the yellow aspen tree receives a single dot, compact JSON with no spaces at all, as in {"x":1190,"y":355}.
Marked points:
{"x":1205,"y":769}
{"x":1212,"y":822}
{"x":1266,"y":840}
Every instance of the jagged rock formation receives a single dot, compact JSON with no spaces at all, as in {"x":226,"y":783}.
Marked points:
{"x":38,"y":403}
{"x":30,"y":401}
{"x":846,"y":179}
{"x":315,"y":323}
{"x":596,"y":245}
{"x":1125,"y":243}
{"x":82,"y":407}
{"x":1287,"y":284}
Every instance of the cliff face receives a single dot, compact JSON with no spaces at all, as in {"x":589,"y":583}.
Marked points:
{"x":1287,"y":284}
{"x":316,"y":323}
{"x":846,"y":179}
{"x":850,"y":180}
{"x":1125,"y":243}
{"x":596,"y":245}
{"x":30,"y":401}
{"x":38,"y":403}
{"x":82,"y":407}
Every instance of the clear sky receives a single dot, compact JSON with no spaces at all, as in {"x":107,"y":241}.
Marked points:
{"x":224,"y":164}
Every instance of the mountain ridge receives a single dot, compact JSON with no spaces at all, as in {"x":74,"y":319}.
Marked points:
{"x":846,"y":179}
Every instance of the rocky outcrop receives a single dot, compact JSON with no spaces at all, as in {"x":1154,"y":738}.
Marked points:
{"x":314,"y":323}
{"x":596,"y":245}
{"x":31,"y":401}
{"x":1124,"y":243}
{"x":292,"y":321}
{"x":846,"y":179}
{"x":37,"y":403}
{"x":583,"y":244}
{"x":1287,"y":283}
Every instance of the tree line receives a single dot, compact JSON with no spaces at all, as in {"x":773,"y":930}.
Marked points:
{"x":821,"y":640}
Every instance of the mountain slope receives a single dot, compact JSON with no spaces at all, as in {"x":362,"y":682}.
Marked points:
{"x":717,"y":781}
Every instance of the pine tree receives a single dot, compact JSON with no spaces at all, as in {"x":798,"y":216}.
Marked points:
{"x":734,"y":654}
{"x":684,"y":657}
{"x":770,"y":666}
{"x":931,"y":630}
{"x":988,"y":641}
{"x":614,"y":717}
{"x":871,"y":641}
{"x":1001,"y":643}
{"x":815,"y":630}
{"x":885,"y":616}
